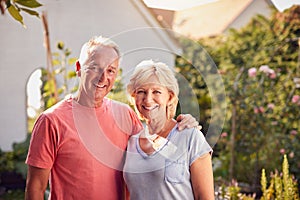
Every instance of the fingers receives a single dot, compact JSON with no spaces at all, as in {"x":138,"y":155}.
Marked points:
{"x":199,"y":127}
{"x":180,"y":117}
{"x":187,"y":121}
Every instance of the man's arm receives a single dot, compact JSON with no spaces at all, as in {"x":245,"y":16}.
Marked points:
{"x":187,"y":121}
{"x":36,"y":183}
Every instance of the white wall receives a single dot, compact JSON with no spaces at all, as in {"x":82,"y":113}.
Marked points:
{"x":73,"y":22}
{"x":256,"y":7}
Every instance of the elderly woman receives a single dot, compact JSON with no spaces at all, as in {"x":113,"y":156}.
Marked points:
{"x":162,"y":162}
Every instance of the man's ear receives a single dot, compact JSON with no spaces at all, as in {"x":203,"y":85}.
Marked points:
{"x":78,"y":67}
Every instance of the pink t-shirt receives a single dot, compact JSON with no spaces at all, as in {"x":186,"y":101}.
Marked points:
{"x":84,"y":147}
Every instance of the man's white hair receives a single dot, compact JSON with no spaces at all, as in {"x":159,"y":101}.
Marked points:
{"x":94,"y":42}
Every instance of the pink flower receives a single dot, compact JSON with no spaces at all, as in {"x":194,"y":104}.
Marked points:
{"x":261,"y":109}
{"x":224,"y":134}
{"x":282,"y":151}
{"x":252,"y":72}
{"x":272,"y":74}
{"x":271,"y":106}
{"x":293,"y":132}
{"x":295,"y":98}
{"x":264,"y":68}
{"x":291,"y":155}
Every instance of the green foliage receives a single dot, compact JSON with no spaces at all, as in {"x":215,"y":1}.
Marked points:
{"x":118,"y":92}
{"x":57,"y":82}
{"x":15,"y":7}
{"x":282,"y":186}
{"x":6,"y":161}
{"x":202,"y":93}
{"x":13,"y":195}
{"x":14,"y":160}
{"x":263,"y":107}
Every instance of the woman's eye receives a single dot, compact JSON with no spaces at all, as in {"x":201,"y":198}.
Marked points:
{"x":140,"y":92}
{"x":156,"y":92}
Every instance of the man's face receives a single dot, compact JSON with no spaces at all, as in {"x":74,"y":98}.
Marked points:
{"x":99,"y":74}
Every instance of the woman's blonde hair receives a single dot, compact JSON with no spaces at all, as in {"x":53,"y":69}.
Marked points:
{"x":165,"y":76}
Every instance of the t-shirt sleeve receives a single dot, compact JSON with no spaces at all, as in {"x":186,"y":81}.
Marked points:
{"x":198,"y":146}
{"x":126,"y":119}
{"x":136,"y":123}
{"x":43,"y":142}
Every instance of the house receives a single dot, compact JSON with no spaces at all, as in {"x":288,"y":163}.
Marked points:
{"x":127,"y":22}
{"x":213,"y":18}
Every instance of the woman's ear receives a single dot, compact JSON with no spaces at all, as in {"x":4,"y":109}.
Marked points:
{"x":78,"y":67}
{"x":171,"y":98}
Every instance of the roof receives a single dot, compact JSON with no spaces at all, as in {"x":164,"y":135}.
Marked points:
{"x":210,"y":19}
{"x":164,"y":32}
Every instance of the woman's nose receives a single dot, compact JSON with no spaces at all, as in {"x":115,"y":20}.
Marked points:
{"x":148,"y":97}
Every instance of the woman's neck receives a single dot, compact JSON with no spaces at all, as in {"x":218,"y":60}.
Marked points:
{"x":161,"y":128}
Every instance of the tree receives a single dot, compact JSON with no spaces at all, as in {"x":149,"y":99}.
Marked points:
{"x":260,"y":62}
{"x":15,"y":7}
{"x":263,"y":115}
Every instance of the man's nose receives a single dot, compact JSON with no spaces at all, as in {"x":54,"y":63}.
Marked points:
{"x":102,"y":76}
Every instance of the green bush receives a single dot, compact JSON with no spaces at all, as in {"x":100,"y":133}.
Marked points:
{"x":282,"y":186}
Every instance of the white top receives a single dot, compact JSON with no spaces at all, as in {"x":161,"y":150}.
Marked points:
{"x":165,"y":173}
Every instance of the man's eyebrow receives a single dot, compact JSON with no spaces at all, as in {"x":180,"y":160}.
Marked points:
{"x":111,"y":66}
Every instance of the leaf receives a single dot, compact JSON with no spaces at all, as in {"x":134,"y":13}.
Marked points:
{"x":61,"y":90}
{"x":71,"y":61}
{"x":60,"y":45}
{"x":71,"y":74}
{"x":29,"y":3}
{"x":15,"y":13}
{"x":51,"y":101}
{"x":31,"y":12}
{"x":58,"y":71}
{"x":56,"y":62}
{"x":56,"y":54}
{"x":67,"y":52}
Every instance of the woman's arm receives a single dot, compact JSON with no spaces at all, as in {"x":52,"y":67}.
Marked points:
{"x":36,"y":184}
{"x":202,"y":178}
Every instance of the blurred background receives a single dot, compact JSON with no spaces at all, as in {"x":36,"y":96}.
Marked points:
{"x":237,"y":62}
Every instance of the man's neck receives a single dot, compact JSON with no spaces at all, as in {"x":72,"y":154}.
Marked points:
{"x":87,"y":102}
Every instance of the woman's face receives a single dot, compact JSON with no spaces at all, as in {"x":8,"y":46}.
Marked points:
{"x":151,"y":100}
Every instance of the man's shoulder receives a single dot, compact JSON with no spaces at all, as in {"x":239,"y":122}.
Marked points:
{"x":60,"y":107}
{"x":117,"y":104}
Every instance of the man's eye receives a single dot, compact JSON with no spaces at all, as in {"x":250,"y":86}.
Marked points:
{"x":156,"y":92}
{"x":111,"y":71}
{"x":92,"y":68}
